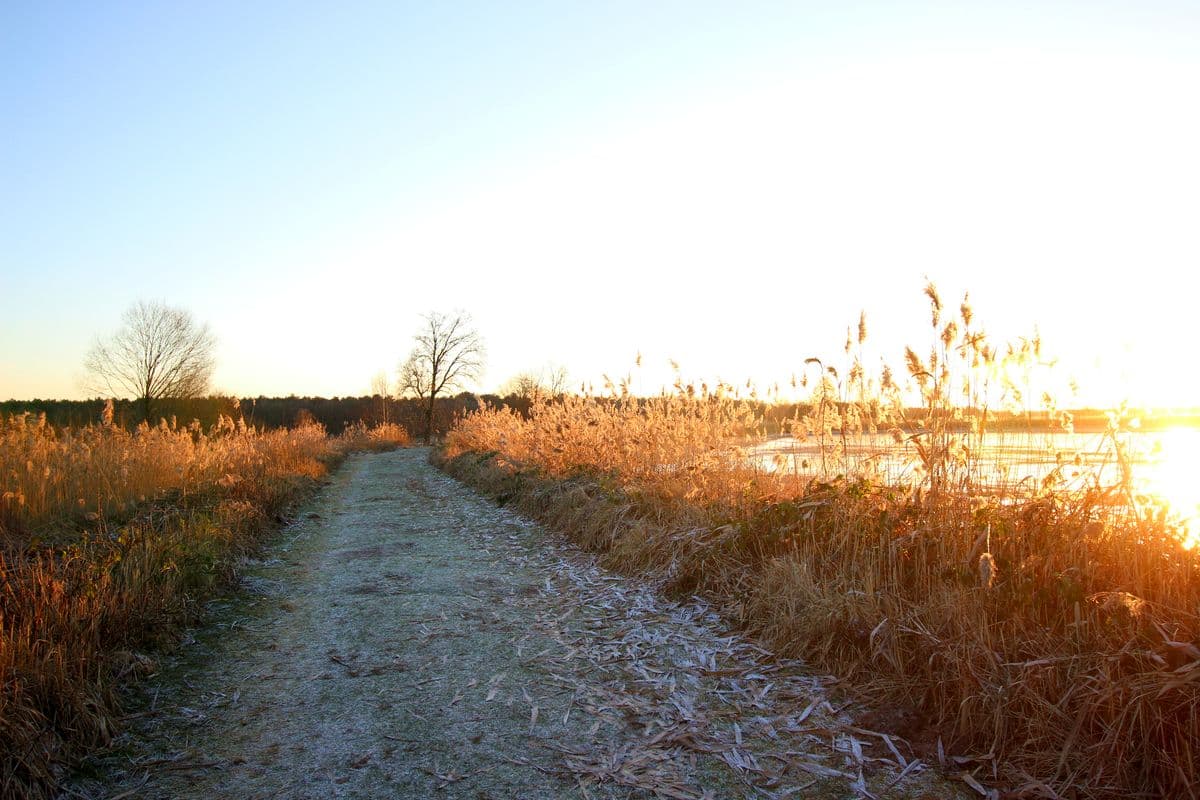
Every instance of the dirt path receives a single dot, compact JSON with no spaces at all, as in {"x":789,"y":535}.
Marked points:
{"x":408,"y":639}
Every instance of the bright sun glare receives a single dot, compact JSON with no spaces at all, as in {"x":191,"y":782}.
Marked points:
{"x":1170,"y":474}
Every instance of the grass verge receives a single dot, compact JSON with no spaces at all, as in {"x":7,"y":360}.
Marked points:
{"x":112,"y":541}
{"x":1045,"y":646}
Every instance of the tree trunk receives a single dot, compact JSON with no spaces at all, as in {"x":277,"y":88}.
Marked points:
{"x":429,"y":419}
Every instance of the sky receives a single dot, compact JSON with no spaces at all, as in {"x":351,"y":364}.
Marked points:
{"x":725,"y":185}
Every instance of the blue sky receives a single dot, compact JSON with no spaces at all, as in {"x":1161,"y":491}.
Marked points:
{"x":722,"y":184}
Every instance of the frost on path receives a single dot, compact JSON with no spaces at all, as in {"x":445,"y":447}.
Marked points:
{"x":408,"y":639}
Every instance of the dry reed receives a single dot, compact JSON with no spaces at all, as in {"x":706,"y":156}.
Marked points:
{"x":1044,"y":635}
{"x":109,"y":540}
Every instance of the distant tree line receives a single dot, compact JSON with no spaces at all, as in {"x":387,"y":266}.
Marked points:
{"x":335,"y":413}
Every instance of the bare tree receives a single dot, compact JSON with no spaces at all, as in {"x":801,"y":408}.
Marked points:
{"x":381,"y":388}
{"x":554,"y":380}
{"x":159,"y":352}
{"x":524,"y":385}
{"x":447,"y":355}
{"x":549,"y":382}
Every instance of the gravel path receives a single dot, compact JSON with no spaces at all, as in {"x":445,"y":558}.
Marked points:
{"x":406,"y":638}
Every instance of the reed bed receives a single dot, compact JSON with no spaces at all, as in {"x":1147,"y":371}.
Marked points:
{"x":1038,"y":636}
{"x":383,"y":436}
{"x":110,"y":540}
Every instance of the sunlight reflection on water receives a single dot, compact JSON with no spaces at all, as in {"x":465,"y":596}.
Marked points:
{"x":1165,"y":464}
{"x":1171,"y":471}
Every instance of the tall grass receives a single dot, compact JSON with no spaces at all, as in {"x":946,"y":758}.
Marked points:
{"x":109,"y":540}
{"x":1045,"y":634}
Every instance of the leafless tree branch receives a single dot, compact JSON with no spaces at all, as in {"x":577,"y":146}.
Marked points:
{"x":448,"y":354}
{"x":159,"y":352}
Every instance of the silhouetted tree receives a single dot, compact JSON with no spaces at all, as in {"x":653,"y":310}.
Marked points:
{"x":448,"y":354}
{"x":550,"y":382}
{"x":159,"y":352}
{"x":381,"y":388}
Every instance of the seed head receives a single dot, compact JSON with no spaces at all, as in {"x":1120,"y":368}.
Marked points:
{"x":987,"y":570}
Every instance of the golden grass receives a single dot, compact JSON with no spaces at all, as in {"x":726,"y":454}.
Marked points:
{"x":49,"y":477}
{"x":1047,"y":637}
{"x":383,"y":436}
{"x":668,"y":441}
{"x":109,"y":540}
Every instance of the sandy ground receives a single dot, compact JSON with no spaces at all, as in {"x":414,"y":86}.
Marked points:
{"x":406,"y":638}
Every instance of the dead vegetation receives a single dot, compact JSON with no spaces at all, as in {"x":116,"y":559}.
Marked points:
{"x":110,"y":541}
{"x":511,"y":665}
{"x":684,"y":686}
{"x":1043,"y":634}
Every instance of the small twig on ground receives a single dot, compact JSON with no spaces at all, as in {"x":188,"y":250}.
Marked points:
{"x":133,"y":791}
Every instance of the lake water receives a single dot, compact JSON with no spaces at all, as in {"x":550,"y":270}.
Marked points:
{"x":1165,"y":464}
